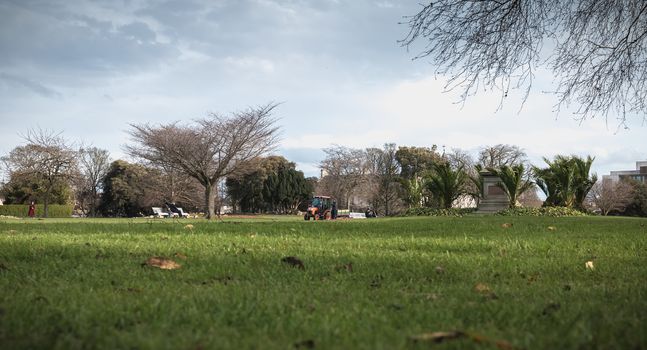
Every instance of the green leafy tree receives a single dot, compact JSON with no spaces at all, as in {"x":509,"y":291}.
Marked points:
{"x":415,"y":163}
{"x":23,"y":188}
{"x":130,"y":190}
{"x":514,"y":181}
{"x":270,"y":184}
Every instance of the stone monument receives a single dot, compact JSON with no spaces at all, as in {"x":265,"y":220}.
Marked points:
{"x":494,"y":198}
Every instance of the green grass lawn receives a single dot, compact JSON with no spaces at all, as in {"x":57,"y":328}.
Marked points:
{"x":72,"y":284}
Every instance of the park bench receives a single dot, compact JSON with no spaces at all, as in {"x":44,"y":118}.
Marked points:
{"x":158,"y":212}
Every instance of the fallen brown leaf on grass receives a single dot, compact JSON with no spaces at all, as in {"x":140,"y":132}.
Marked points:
{"x":439,"y":337}
{"x":506,"y":225}
{"x":440,"y":270}
{"x":162,"y":263}
{"x":188,"y":227}
{"x":293,"y":261}
{"x":482,"y":288}
{"x":180,"y":255}
{"x":552,"y":228}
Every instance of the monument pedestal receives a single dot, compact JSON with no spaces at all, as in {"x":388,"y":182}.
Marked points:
{"x":494,"y":198}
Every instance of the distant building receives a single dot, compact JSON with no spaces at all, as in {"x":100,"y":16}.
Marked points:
{"x":640,"y":174}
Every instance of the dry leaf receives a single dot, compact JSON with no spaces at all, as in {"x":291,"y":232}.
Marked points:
{"x":440,"y":270}
{"x":589,"y":265}
{"x":180,"y":255}
{"x":506,"y":225}
{"x":482,"y":288}
{"x":552,"y":228}
{"x":188,"y":227}
{"x":437,"y":337}
{"x":162,"y":263}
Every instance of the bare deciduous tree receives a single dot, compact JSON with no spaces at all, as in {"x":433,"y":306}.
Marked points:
{"x":93,"y":166}
{"x":609,"y":196}
{"x":343,"y":171}
{"x":209,"y":149}
{"x":597,"y":49}
{"x":501,"y":155}
{"x":385,"y":173}
{"x":48,"y":156}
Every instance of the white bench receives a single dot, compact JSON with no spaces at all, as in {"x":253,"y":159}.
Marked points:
{"x":158,"y":212}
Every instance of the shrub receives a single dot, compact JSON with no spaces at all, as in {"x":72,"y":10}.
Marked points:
{"x":21,"y":210}
{"x":458,"y":212}
{"x":543,"y":211}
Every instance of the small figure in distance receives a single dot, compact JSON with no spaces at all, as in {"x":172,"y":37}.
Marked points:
{"x":172,"y":208}
{"x":370,"y":213}
{"x":32,"y":209}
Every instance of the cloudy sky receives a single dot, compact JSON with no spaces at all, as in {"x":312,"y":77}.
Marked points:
{"x":91,"y":68}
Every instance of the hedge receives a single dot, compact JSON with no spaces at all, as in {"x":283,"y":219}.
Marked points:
{"x":21,"y":210}
{"x":543,"y":211}
{"x":458,"y":212}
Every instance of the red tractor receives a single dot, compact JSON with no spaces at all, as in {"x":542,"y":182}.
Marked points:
{"x":321,"y":208}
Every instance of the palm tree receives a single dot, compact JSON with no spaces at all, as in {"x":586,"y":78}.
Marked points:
{"x":476,"y":180}
{"x":584,"y":183}
{"x":512,"y":181}
{"x":446,"y":184}
{"x":566,"y":180}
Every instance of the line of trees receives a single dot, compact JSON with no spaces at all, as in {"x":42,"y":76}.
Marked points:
{"x":220,"y":161}
{"x":49,"y":169}
{"x":393,"y":180}
{"x":174,"y":160}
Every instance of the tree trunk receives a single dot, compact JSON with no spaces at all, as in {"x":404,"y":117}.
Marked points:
{"x":210,"y":201}
{"x":93,"y":203}
{"x":46,"y":203}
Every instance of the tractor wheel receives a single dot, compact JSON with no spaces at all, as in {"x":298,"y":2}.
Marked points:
{"x":306,"y":217}
{"x":317,"y":217}
{"x":327,"y":215}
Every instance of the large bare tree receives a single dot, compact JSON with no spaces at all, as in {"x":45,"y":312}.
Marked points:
{"x":597,"y":49}
{"x":501,"y":155}
{"x":46,"y":156}
{"x":343,"y":171}
{"x":608,"y":196}
{"x":93,"y":166}
{"x":210,"y":148}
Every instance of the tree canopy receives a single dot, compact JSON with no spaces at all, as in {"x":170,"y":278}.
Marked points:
{"x":209,"y":149}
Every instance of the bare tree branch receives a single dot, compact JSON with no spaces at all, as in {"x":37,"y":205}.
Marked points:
{"x":599,"y":49}
{"x":208,"y":149}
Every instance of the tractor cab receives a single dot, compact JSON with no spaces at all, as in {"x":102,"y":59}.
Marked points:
{"x":321,"y":208}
